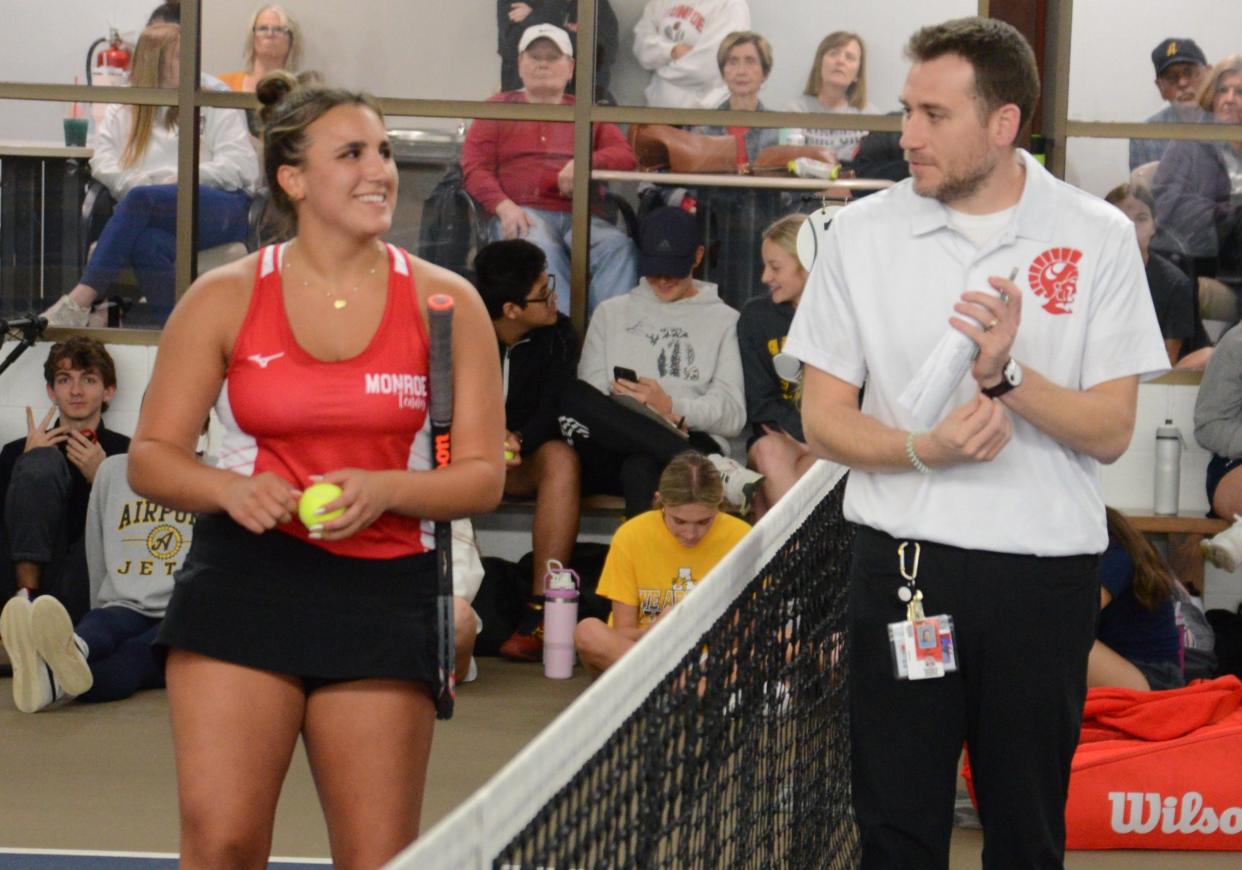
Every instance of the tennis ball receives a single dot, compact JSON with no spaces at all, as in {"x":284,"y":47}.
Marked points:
{"x":509,"y":455}
{"x":313,"y":498}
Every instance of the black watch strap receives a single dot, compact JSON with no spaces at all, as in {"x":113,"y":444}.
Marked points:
{"x":1006,"y":383}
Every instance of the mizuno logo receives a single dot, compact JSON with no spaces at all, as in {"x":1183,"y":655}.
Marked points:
{"x":261,"y":361}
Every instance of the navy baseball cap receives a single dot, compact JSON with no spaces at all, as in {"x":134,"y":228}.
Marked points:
{"x":667,"y":242}
{"x":1176,"y":50}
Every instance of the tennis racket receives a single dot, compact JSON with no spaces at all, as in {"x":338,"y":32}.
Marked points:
{"x":440,"y":326}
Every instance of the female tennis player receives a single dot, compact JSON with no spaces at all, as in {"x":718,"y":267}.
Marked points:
{"x":314,"y":354}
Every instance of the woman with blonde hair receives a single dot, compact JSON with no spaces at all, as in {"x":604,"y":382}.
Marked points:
{"x":136,"y":159}
{"x":327,"y":631}
{"x":837,"y":84}
{"x":777,"y":447}
{"x":273,"y":41}
{"x":657,"y":557}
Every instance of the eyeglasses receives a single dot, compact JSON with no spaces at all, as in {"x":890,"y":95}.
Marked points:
{"x":546,"y":298}
{"x":1181,"y":72}
{"x":264,"y":30}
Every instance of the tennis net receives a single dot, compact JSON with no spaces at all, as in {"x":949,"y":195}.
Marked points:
{"x":720,"y":740}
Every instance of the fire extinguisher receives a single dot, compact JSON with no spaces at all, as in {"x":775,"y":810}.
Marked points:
{"x":107,"y":66}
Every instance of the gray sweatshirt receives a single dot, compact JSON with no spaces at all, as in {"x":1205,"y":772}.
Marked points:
{"x":689,"y":346}
{"x":1218,"y":409}
{"x":133,"y":546}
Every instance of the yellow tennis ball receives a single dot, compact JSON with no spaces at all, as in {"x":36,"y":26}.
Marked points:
{"x":509,"y":454}
{"x":313,"y":498}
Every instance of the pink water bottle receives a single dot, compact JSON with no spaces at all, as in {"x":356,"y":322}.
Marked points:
{"x":560,"y":618}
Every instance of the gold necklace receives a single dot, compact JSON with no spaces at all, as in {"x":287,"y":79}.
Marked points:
{"x":337,"y":302}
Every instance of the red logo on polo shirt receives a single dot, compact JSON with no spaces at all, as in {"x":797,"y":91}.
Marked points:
{"x":1054,"y":275}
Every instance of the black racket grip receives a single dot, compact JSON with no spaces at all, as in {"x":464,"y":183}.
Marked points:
{"x":440,"y":327}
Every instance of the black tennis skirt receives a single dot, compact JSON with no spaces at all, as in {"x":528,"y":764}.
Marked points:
{"x":279,"y":604}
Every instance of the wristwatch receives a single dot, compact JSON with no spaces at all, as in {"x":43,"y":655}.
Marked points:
{"x":1011,"y":376}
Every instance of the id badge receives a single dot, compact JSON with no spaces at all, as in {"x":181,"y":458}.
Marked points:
{"x":923,"y":649}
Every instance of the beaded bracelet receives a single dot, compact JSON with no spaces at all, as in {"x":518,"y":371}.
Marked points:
{"x":918,"y":464}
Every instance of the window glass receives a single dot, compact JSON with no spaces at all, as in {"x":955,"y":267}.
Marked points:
{"x":1137,"y":60}
{"x":651,"y":31}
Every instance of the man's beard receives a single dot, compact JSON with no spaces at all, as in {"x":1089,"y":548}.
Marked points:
{"x":956,"y":187}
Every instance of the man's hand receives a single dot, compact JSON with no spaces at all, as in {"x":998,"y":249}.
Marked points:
{"x":85,"y":454}
{"x":41,"y":435}
{"x":519,"y":11}
{"x":976,"y":431}
{"x":649,"y":392}
{"x":680,"y":50}
{"x":515,"y":223}
{"x":514,"y":446}
{"x":565,"y":180}
{"x":999,"y":317}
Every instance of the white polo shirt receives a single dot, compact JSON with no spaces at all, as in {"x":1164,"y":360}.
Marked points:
{"x":880,"y":296}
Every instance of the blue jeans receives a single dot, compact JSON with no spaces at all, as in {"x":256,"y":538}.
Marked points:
{"x":613,"y":258}
{"x":122,"y":659}
{"x":142,"y":233}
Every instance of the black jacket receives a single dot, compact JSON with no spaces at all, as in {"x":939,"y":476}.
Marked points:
{"x":536,"y":370}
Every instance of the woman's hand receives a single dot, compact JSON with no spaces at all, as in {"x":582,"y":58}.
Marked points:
{"x":364,"y":496}
{"x":261,"y":502}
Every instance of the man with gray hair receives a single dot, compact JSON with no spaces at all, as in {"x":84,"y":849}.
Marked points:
{"x":1180,"y":66}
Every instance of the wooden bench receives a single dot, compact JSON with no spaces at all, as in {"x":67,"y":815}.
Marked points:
{"x":594,"y":505}
{"x":1185,"y":531}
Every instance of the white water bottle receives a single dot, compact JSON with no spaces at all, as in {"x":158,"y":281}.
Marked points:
{"x":1168,"y":468}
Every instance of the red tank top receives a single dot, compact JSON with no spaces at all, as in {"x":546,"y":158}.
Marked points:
{"x":287,"y":412}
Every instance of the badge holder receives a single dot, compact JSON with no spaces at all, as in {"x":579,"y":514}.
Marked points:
{"x":922,"y":647}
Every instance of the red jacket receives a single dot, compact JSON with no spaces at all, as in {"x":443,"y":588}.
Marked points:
{"x":520,"y":160}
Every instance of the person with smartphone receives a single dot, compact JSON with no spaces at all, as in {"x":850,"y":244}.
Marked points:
{"x":46,"y":477}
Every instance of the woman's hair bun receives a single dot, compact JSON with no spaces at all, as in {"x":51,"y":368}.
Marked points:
{"x":273,"y":88}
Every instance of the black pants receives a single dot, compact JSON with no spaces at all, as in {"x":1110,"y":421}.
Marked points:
{"x":1024,"y":627}
{"x":37,"y":526}
{"x":621,"y":450}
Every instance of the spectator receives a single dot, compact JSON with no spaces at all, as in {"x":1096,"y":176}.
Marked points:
{"x":657,"y":557}
{"x":136,"y":159}
{"x":46,"y":477}
{"x":538,"y":355}
{"x":273,"y":41}
{"x":514,"y":16}
{"x":522,"y":172}
{"x":165,"y":13}
{"x":1172,"y":291}
{"x":777,"y":448}
{"x":677,"y":40}
{"x":745,"y":62}
{"x":1136,"y":639}
{"x":133,"y":547}
{"x":837,"y":83}
{"x":667,"y":351}
{"x":1198,"y":186}
{"x":1180,"y":66}
{"x":1218,"y":429}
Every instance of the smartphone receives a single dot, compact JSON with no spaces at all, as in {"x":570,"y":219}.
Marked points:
{"x":621,"y":373}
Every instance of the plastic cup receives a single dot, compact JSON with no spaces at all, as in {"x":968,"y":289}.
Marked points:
{"x":75,"y":132}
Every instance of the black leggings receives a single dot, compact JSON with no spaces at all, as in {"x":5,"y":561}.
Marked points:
{"x":622,"y":452}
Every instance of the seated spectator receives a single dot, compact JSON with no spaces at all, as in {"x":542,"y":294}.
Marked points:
{"x":133,"y":547}
{"x":538,"y":356}
{"x":1180,"y":66}
{"x":1198,"y":186}
{"x":1172,"y":291}
{"x":522,"y":172}
{"x":46,"y":477}
{"x":659,"y":372}
{"x":1136,"y":640}
{"x":514,"y":16}
{"x":136,"y":159}
{"x":837,"y":83}
{"x":657,"y":557}
{"x":1218,"y":429}
{"x":677,"y":40}
{"x":273,"y":41}
{"x":745,"y":61}
{"x":777,"y":447}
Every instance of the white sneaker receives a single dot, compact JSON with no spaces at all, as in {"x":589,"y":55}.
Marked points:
{"x":34,"y":687}
{"x":66,"y":312}
{"x":740,"y":483}
{"x":54,"y":640}
{"x":1225,"y":549}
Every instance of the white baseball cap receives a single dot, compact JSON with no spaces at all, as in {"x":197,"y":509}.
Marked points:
{"x":546,"y":31}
